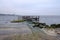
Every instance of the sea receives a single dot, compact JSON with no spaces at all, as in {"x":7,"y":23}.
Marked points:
{"x":5,"y":22}
{"x":50,"y":19}
{"x":42,"y":19}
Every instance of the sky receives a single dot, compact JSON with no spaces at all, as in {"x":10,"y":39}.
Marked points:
{"x":30,"y":7}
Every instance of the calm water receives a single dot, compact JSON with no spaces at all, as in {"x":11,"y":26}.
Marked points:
{"x":14,"y":28}
{"x":44,"y":19}
{"x":50,"y":19}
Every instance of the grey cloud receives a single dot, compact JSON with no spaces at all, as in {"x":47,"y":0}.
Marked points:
{"x":30,"y":7}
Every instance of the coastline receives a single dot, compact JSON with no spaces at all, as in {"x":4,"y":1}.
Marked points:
{"x":50,"y":32}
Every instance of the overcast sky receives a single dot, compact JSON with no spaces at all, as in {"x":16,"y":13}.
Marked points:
{"x":30,"y":7}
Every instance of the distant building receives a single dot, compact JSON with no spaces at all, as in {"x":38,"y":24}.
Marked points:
{"x":33,"y":18}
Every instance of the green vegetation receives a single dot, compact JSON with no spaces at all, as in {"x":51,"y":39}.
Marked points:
{"x":40,"y":25}
{"x":55,"y":25}
{"x":16,"y":21}
{"x":44,"y":25}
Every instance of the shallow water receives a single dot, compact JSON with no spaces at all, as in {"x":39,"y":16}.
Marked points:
{"x":16,"y":28}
